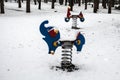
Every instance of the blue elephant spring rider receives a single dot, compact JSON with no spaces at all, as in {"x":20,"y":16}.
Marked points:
{"x":52,"y":36}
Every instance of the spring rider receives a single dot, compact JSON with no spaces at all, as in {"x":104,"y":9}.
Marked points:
{"x":52,"y":38}
{"x":74,"y":18}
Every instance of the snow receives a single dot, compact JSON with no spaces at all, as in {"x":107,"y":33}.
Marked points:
{"x":23,"y":53}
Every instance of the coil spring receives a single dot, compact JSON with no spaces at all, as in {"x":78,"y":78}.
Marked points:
{"x":66,"y":58}
{"x":74,"y":22}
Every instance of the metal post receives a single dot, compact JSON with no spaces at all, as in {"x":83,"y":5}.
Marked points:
{"x":66,"y":63}
{"x":74,"y":21}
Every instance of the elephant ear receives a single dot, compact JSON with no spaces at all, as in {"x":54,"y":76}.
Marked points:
{"x":43,"y":29}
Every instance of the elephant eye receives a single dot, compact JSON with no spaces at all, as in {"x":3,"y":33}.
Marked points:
{"x":78,"y":42}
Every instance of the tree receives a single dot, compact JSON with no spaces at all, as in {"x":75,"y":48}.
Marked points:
{"x":89,"y":1}
{"x":104,"y":3}
{"x":95,"y":6}
{"x":61,"y":2}
{"x":75,"y":1}
{"x":2,"y":6}
{"x":109,"y":6}
{"x":83,"y":1}
{"x":39,"y":4}
{"x":65,"y":2}
{"x":85,"y":4}
{"x":19,"y":3}
{"x":35,"y":2}
{"x":22,"y":1}
{"x":6,"y":0}
{"x":113,"y":3}
{"x":118,"y":7}
{"x":71,"y":4}
{"x":119,"y":2}
{"x":53,"y":6}
{"x":28,"y":6}
{"x":46,"y":1}
{"x":79,"y":2}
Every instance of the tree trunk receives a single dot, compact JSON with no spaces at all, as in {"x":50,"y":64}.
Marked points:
{"x":95,"y":6}
{"x":6,"y":0}
{"x":19,"y":3}
{"x":22,"y":1}
{"x":109,"y":6}
{"x":88,"y":2}
{"x":75,"y":1}
{"x":83,"y":1}
{"x":71,"y":4}
{"x":2,"y":6}
{"x":61,"y":2}
{"x":53,"y":6}
{"x":85,"y":4}
{"x":35,"y":2}
{"x":39,"y":4}
{"x":65,"y":2}
{"x":119,"y":2}
{"x":104,"y":3}
{"x":113,"y":3}
{"x":28,"y":6}
{"x":79,"y":2}
{"x":46,"y":1}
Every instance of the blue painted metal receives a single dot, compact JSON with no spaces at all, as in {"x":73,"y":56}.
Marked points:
{"x":67,"y":19}
{"x":50,"y":37}
{"x":82,"y":19}
{"x":47,"y":32}
{"x":82,"y":41}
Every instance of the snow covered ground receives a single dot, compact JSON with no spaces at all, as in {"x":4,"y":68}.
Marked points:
{"x":23,"y":53}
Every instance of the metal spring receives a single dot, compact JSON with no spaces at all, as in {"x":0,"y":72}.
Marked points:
{"x":66,"y":58}
{"x":74,"y":22}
